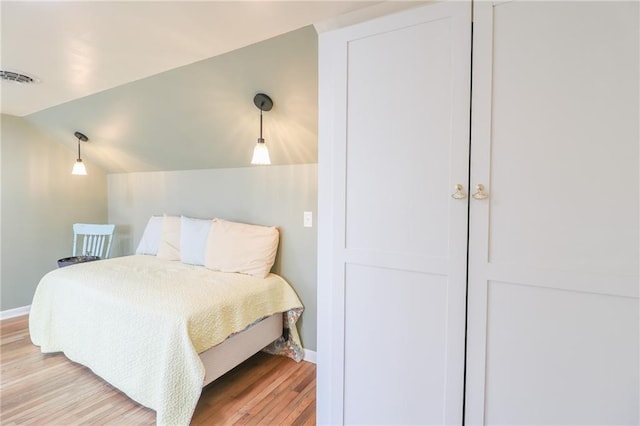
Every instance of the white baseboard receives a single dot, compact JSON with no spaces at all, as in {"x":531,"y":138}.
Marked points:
{"x":310,"y":356}
{"x":15,"y":312}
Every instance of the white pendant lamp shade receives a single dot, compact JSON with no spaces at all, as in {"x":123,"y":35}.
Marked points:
{"x":261,"y":154}
{"x":78,"y":167}
{"x":260,"y":151}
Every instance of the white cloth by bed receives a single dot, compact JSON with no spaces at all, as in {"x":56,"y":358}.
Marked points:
{"x":140,"y":322}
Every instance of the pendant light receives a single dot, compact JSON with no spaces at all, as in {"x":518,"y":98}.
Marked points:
{"x":261,"y":152}
{"x":78,"y":167}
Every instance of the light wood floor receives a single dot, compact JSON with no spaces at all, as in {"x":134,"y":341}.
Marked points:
{"x":39,"y":389}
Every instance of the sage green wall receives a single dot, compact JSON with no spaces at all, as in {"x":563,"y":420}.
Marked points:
{"x":270,"y":195}
{"x":40,"y":202}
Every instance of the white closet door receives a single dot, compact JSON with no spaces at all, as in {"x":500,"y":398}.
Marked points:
{"x":553,"y":277}
{"x":394,"y":148}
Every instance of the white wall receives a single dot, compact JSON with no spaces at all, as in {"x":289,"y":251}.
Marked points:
{"x":271,"y":195}
{"x":40,"y":202}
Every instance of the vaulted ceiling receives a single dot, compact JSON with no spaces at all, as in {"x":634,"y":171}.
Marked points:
{"x":168,"y":85}
{"x":82,"y":47}
{"x":201,"y":115}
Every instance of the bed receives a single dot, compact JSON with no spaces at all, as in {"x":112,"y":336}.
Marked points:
{"x":160,"y":330}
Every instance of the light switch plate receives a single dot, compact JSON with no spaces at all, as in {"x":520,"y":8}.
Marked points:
{"x":308,"y":219}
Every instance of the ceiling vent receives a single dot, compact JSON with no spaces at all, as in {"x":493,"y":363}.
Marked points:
{"x":17,"y":77}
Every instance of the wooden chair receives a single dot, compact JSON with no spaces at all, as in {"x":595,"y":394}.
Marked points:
{"x":93,"y":238}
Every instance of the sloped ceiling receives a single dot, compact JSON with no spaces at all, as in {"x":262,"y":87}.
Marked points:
{"x":169,"y":85}
{"x":200,"y":115}
{"x":77,"y":48}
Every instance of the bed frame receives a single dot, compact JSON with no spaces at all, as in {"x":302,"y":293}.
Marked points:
{"x":240,"y":347}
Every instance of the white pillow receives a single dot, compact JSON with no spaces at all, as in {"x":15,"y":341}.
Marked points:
{"x":151,"y":237}
{"x":239,"y":247}
{"x":193,"y":239}
{"x":169,"y":247}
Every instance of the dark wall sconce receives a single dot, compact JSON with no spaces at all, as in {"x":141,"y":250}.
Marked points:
{"x":261,"y":152}
{"x":78,"y":167}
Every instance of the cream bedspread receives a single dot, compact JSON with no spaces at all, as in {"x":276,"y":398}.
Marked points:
{"x":140,"y":322}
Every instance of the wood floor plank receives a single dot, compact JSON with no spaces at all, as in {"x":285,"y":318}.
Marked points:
{"x":305,"y":397}
{"x":37,"y":389}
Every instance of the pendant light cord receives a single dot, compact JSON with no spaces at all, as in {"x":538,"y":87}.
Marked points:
{"x":261,"y":123}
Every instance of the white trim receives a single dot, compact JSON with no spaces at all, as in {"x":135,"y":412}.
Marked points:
{"x":362,"y":15}
{"x":310,"y":356}
{"x":15,"y":312}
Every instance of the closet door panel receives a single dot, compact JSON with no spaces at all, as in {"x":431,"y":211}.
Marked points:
{"x":399,"y":145}
{"x":538,"y":335}
{"x":564,"y":113}
{"x":397,"y":326}
{"x":399,"y":270}
{"x":398,"y":155}
{"x":553,"y":252}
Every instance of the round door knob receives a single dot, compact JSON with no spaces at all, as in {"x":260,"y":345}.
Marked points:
{"x":480,"y":194}
{"x":459,"y":194}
